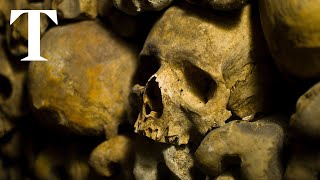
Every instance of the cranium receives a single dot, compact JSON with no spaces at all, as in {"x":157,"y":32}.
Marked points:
{"x":86,"y":80}
{"x":292,"y":31}
{"x":212,"y":66}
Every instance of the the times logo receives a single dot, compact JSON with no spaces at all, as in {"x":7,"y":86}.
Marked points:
{"x":33,"y":30}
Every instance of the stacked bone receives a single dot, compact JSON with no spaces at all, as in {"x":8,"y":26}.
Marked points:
{"x":155,"y":89}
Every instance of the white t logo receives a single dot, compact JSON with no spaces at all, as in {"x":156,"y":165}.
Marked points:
{"x":34,"y":30}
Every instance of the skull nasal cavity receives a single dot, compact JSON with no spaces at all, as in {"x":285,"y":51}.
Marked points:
{"x":148,"y":65}
{"x":199,"y":82}
{"x":153,"y":93}
{"x":5,"y":88}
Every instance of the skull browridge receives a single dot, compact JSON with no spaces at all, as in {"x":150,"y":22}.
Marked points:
{"x":201,"y":85}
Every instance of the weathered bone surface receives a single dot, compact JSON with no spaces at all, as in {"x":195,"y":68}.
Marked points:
{"x":306,"y":119}
{"x":87,"y":89}
{"x":204,"y":79}
{"x":12,"y":86}
{"x":208,"y":71}
{"x":304,"y":163}
{"x":292,"y":30}
{"x":180,"y":162}
{"x":220,"y":4}
{"x":134,"y":7}
{"x":254,"y":146}
{"x":71,"y":9}
{"x":115,"y":151}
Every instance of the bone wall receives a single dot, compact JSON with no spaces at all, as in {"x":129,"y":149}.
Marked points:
{"x":162,"y":89}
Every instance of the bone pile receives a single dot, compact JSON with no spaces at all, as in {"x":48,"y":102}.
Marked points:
{"x":162,"y":89}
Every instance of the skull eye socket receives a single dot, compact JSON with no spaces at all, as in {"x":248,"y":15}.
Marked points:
{"x":199,"y":82}
{"x":5,"y":88}
{"x":155,"y":99}
{"x":148,"y":66}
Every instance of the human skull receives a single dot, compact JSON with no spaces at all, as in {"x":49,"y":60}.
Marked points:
{"x":209,"y":69}
{"x":85,"y":82}
{"x":292,"y":31}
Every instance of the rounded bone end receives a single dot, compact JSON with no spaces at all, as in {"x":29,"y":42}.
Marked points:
{"x":113,"y":155}
{"x":305,"y":122}
{"x":253,"y":146}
